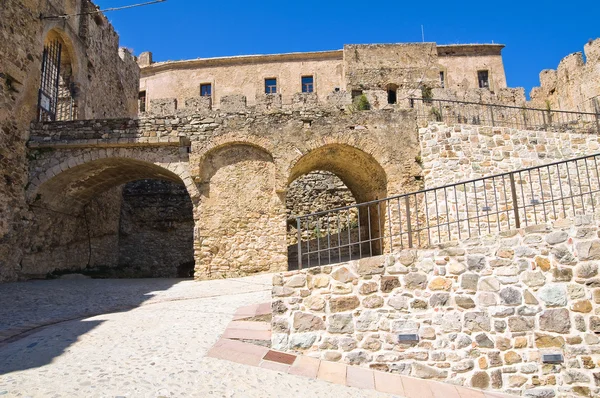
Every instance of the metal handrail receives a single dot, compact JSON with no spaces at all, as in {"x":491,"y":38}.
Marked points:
{"x":436,"y":215}
{"x":479,"y":113}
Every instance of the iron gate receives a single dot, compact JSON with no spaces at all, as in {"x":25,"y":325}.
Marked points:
{"x":55,"y":97}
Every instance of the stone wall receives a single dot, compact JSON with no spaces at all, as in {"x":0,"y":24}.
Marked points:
{"x":236,"y":166}
{"x":106,"y":83}
{"x":156,"y":231}
{"x":76,"y":242}
{"x":482,"y":312}
{"x":574,"y":85}
{"x":457,"y":153}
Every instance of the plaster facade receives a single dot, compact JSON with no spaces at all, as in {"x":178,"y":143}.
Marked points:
{"x":371,"y":69}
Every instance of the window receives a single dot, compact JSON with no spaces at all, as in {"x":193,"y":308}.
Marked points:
{"x":307,"y":84}
{"x":142,"y":101}
{"x":271,"y":86}
{"x":483,"y":77}
{"x":206,"y":90}
{"x":442,"y":80}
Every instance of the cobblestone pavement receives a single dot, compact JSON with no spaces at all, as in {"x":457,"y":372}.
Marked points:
{"x":156,"y":348}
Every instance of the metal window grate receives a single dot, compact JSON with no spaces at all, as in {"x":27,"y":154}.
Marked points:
{"x":55,"y":96}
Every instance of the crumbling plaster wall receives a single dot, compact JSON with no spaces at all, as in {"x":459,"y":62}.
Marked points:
{"x":460,"y":64}
{"x":107,"y":86}
{"x":574,"y":84}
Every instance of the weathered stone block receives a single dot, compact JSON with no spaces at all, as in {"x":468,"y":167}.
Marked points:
{"x":343,"y":275}
{"x":588,"y":250}
{"x":557,"y":321}
{"x":389,"y":283}
{"x":553,"y":295}
{"x":477,"y":321}
{"x":344,"y":303}
{"x":340,"y":323}
{"x":304,"y":322}
{"x":415,"y":280}
{"x":426,"y":372}
{"x":370,"y":266}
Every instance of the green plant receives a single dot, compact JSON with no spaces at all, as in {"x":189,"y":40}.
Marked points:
{"x":419,"y":160}
{"x":435,"y":113}
{"x":426,"y":94}
{"x":361,"y":103}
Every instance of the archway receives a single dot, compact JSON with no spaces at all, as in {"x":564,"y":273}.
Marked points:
{"x":111,"y":217}
{"x":58,"y":87}
{"x":350,"y":233}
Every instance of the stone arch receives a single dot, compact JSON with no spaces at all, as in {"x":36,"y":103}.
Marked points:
{"x":364,"y":177}
{"x":357,"y":168}
{"x":202,"y":151}
{"x":73,"y":181}
{"x":78,"y":209}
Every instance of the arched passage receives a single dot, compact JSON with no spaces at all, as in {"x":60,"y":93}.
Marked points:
{"x":350,"y":231}
{"x":112,"y":217}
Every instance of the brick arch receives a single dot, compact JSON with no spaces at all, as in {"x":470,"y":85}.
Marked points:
{"x":78,"y":177}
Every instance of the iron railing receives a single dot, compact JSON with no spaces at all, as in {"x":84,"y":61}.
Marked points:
{"x":466,"y":209}
{"x":486,"y":114}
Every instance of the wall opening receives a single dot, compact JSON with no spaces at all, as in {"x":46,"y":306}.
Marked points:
{"x":116,"y":218}
{"x":314,"y":192}
{"x":392,"y":96}
{"x":156,"y":230}
{"x":57,"y":95}
{"x":360,"y":179}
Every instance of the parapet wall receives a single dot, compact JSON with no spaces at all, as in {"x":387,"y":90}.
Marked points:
{"x":574,"y":84}
{"x":480,"y":312}
{"x":463,"y":152}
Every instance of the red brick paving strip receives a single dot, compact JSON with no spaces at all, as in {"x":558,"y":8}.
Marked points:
{"x":280,"y":357}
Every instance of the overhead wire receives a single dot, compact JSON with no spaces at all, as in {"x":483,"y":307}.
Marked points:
{"x":65,"y":16}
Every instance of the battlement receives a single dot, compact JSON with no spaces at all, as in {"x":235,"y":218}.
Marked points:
{"x":575,"y":84}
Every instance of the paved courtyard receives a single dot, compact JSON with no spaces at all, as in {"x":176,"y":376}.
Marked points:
{"x":135,"y":338}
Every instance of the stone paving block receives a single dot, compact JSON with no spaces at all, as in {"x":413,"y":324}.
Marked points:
{"x":360,"y":377}
{"x":443,"y":390}
{"x":279,"y":367}
{"x":416,"y":388}
{"x":263,"y":309}
{"x":388,"y":383}
{"x":305,"y":366}
{"x":245,"y":312}
{"x":248,"y":325}
{"x":246,"y":334}
{"x":332,"y":372}
{"x":469,"y":393}
{"x":236,"y":351}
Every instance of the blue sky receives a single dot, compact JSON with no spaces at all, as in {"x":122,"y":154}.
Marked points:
{"x":537,"y":34}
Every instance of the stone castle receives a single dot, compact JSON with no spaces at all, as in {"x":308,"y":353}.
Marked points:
{"x":117,"y":166}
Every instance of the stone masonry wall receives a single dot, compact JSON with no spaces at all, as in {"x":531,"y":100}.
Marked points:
{"x":574,"y":85}
{"x":457,"y":153}
{"x":107,"y":86}
{"x":156,"y":231}
{"x":484,"y":309}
